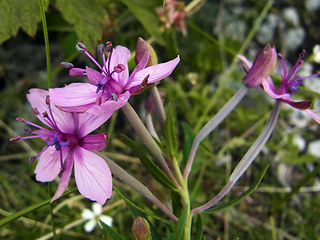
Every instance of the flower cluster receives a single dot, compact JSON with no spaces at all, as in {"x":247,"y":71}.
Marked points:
{"x":74,"y":111}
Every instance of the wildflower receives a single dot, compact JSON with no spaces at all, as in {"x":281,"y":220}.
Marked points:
{"x":289,"y":84}
{"x":110,"y":88}
{"x":173,"y":15}
{"x":94,"y":216}
{"x":68,"y":144}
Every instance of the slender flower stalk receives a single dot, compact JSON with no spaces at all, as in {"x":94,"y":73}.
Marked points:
{"x":159,"y":110}
{"x":147,"y":139}
{"x":211,"y":125}
{"x":247,"y":159}
{"x":137,"y":186}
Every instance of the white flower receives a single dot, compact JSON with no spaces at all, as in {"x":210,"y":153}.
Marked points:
{"x":94,"y":216}
{"x":316,"y":53}
{"x":313,"y":148}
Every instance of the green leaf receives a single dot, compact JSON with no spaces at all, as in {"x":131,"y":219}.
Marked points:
{"x":35,"y":206}
{"x":169,"y":132}
{"x":198,"y":235}
{"x":109,"y":231}
{"x":146,"y":14}
{"x":87,"y":17}
{"x":15,"y":14}
{"x":179,"y":228}
{"x":146,"y":159}
{"x":138,"y":211}
{"x":239,"y":198}
{"x":188,"y":141}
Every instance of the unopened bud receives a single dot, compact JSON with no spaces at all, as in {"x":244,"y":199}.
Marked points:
{"x":80,"y":47}
{"x":262,"y":67}
{"x":143,"y":47}
{"x":141,"y":229}
{"x":66,"y":65}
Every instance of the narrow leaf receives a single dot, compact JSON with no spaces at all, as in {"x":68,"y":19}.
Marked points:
{"x":138,"y":211}
{"x":188,"y":141}
{"x":35,"y":206}
{"x":169,"y":132}
{"x":110,"y":232}
{"x":146,"y":159}
{"x":253,"y":187}
{"x":179,"y":228}
{"x":198,"y":235}
{"x":15,"y":14}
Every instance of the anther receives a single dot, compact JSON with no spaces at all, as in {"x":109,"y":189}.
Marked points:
{"x":35,"y":111}
{"x":66,"y":65}
{"x":20,"y":119}
{"x":108,"y":46}
{"x":15,"y":138}
{"x":114,"y":96}
{"x":80,"y":47}
{"x":27,"y":130}
{"x":45,"y":114}
{"x":100,"y":49}
{"x":47,"y":100}
{"x":31,"y":159}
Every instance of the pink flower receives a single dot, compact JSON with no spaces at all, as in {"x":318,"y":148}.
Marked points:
{"x":110,"y":88}
{"x":289,"y":84}
{"x":68,"y":144}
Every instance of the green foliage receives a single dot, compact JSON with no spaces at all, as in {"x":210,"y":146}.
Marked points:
{"x":145,"y":12}
{"x":169,"y":132}
{"x":87,"y":17}
{"x":111,"y":232}
{"x":148,"y":162}
{"x":15,"y":14}
{"x":179,"y":228}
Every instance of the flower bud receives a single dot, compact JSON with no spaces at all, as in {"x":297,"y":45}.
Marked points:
{"x":142,"y":48}
{"x":141,"y":229}
{"x":262,"y":67}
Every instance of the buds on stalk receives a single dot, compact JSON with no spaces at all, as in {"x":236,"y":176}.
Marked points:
{"x":141,"y":229}
{"x":262,"y":67}
{"x":142,"y":48}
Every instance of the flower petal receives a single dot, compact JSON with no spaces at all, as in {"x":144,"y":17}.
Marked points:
{"x":49,"y":166}
{"x":75,"y":94}
{"x":37,"y":99}
{"x":156,"y":72}
{"x":107,"y":220}
{"x":94,"y":76}
{"x":269,"y":88}
{"x":87,"y":214}
{"x":245,"y":61}
{"x":88,"y":122}
{"x":96,"y":208}
{"x":120,"y":55}
{"x":65,"y":177}
{"x":107,"y":108}
{"x":94,"y":142}
{"x":313,"y":114}
{"x":90,"y":225}
{"x":93,"y":176}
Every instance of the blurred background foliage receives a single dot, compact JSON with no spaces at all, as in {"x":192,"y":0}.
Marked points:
{"x":286,"y":204}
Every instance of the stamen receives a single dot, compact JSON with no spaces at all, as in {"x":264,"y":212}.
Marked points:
{"x":32,"y":158}
{"x":50,"y":111}
{"x":27,"y":130}
{"x":80,"y":47}
{"x":66,"y":65}
{"x":29,"y":123}
{"x":114,"y":97}
{"x":109,"y":46}
{"x":119,"y":68}
{"x":74,"y":72}
{"x":100,"y":49}
{"x":15,"y":138}
{"x":20,"y":119}
{"x":35,"y":111}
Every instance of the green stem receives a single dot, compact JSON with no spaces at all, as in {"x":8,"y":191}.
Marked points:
{"x":184,"y":193}
{"x":51,"y":213}
{"x":46,"y":41}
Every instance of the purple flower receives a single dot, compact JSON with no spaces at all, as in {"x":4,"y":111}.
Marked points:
{"x":110,"y":88}
{"x":289,"y":83}
{"x":68,"y":144}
